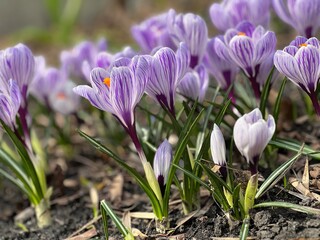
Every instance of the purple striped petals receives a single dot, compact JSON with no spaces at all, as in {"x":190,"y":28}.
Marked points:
{"x":242,"y":52}
{"x":287,"y":65}
{"x":10,"y":100}
{"x":195,"y":84}
{"x":122,"y":94}
{"x":264,"y":47}
{"x":183,"y":60}
{"x":308,"y":59}
{"x":301,"y":64}
{"x":161,"y":163}
{"x":17,"y":63}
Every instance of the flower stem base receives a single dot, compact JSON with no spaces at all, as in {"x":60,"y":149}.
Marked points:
{"x":162,"y":225}
{"x":43,"y":213}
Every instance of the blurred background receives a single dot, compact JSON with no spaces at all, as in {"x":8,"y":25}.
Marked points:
{"x":48,"y":26}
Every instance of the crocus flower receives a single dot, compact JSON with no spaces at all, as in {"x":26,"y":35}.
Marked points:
{"x":218,"y":150}
{"x":63,"y":99}
{"x":10,"y":100}
{"x":118,"y":90}
{"x":223,"y":69}
{"x":161,"y":163}
{"x":300,"y":62}
{"x":195,"y":83}
{"x":153,"y":33}
{"x":303,"y":15}
{"x":73,"y":59}
{"x":248,"y":47}
{"x":192,"y":30}
{"x":45,"y":81}
{"x":218,"y":146}
{"x":18,"y":63}
{"x":251,"y":135}
{"x":229,"y":13}
{"x":167,"y":70}
{"x":104,"y":60}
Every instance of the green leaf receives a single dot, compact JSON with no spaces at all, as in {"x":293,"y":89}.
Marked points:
{"x":106,"y":211}
{"x":24,"y":184}
{"x":183,"y":140}
{"x":294,"y":146}
{"x":140,"y":180}
{"x":278,"y":100}
{"x":295,"y":207}
{"x":277,"y":174}
{"x":251,"y":191}
{"x":245,"y":229}
{"x":194,"y":177}
{"x":265,"y":93}
{"x":27,"y":163}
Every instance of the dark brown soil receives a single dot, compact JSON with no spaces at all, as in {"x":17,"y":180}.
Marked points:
{"x":71,"y":211}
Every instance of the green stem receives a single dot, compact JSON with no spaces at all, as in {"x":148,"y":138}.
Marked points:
{"x":43,"y":213}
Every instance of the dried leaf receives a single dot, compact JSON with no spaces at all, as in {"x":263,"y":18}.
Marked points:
{"x":86,"y":235}
{"x":301,"y":188}
{"x":116,"y":188}
{"x":137,"y":233}
{"x":143,"y":215}
{"x":305,"y":176}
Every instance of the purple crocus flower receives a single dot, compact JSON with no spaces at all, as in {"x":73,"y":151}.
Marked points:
{"x":153,"y":33}
{"x":73,"y":59}
{"x":195,"y":83}
{"x":18,"y":63}
{"x":118,"y":90}
{"x":192,"y":30}
{"x":10,"y":100}
{"x":167,"y":70}
{"x":248,"y":47}
{"x":63,"y":99}
{"x":223,"y":69}
{"x":161,"y":163}
{"x":45,"y":80}
{"x":303,"y":15}
{"x":251,"y":135}
{"x":300,"y":62}
{"x":104,"y":60}
{"x":229,"y":13}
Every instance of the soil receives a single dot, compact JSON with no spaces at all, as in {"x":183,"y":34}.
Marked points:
{"x":73,"y":215}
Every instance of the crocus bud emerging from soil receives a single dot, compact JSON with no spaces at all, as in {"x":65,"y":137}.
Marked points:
{"x":300,"y":62}
{"x":303,"y":15}
{"x":218,"y":146}
{"x":251,"y":135}
{"x":10,"y":100}
{"x":161,"y":163}
{"x":228,"y":14}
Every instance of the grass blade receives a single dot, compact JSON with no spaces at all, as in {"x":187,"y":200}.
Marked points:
{"x":107,"y":211}
{"x":295,"y":207}
{"x":265,"y":93}
{"x":183,"y":140}
{"x":278,"y":100}
{"x":294,"y":146}
{"x":277,"y":174}
{"x":140,"y":180}
{"x":27,"y":163}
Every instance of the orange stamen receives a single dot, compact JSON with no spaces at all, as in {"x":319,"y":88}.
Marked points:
{"x":303,"y":45}
{"x":242,"y":34}
{"x":61,"y":95}
{"x":107,"y":81}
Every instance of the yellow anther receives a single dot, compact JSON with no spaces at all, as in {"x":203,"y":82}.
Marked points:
{"x":242,"y":34}
{"x":107,"y":81}
{"x":303,"y":45}
{"x":61,"y":96}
